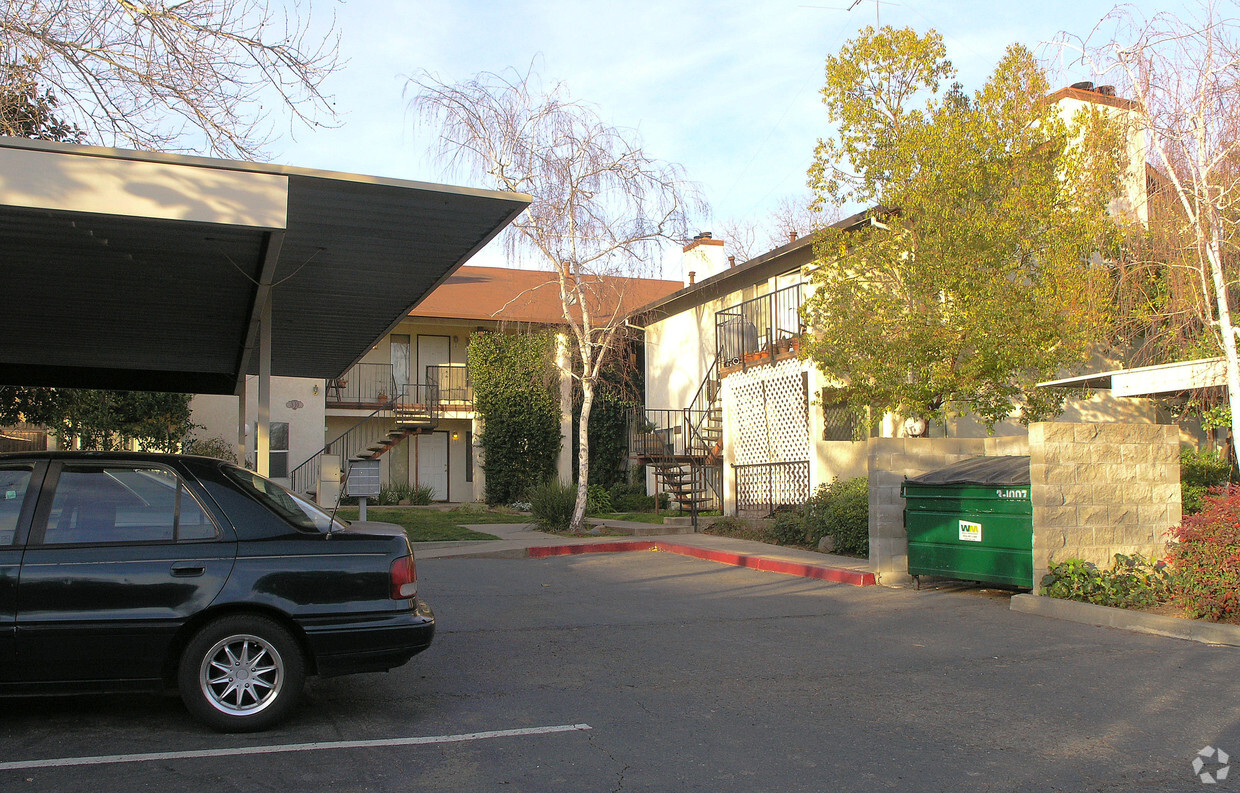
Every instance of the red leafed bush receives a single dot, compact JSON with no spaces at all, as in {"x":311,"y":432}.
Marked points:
{"x":1206,"y":557}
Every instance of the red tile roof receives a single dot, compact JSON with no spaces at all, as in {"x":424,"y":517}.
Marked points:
{"x":501,"y":293}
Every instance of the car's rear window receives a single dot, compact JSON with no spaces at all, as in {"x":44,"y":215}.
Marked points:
{"x":303,"y":514}
{"x":14,"y":479}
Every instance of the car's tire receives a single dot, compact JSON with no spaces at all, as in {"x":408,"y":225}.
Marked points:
{"x":241,"y":673}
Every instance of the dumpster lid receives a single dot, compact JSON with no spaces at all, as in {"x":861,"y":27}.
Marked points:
{"x":1009,"y":470}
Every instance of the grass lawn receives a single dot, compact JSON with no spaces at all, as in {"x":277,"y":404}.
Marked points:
{"x":638,"y":517}
{"x":429,"y":525}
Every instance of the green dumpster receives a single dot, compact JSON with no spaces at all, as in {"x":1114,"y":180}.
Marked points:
{"x":972,"y":521}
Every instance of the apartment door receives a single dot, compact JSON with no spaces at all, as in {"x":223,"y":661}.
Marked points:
{"x":400,"y":359}
{"x":433,"y":351}
{"x":433,"y":463}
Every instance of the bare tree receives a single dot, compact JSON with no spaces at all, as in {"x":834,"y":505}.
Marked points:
{"x":196,"y":75}
{"x":740,"y":239}
{"x":1182,"y":69}
{"x":601,"y":211}
{"x":796,"y":215}
{"x":746,"y":239}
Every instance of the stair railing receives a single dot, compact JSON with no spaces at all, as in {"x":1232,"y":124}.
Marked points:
{"x":305,"y":477}
{"x":703,"y":408}
{"x":367,"y":431}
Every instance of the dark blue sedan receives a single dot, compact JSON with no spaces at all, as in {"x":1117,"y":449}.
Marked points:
{"x":123,"y":571}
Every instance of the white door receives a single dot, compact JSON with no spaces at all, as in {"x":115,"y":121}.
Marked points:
{"x":432,"y":351}
{"x":400,"y":359}
{"x":433,"y":464}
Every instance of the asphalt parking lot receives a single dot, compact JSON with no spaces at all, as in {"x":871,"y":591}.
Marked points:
{"x":654,"y":672}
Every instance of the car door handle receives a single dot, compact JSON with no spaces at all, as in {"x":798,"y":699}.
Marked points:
{"x":188,"y":569}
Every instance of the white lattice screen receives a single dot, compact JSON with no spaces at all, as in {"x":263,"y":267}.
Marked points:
{"x":770,"y":414}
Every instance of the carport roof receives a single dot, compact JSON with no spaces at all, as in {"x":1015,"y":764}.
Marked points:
{"x":1168,"y":378}
{"x":146,"y":271}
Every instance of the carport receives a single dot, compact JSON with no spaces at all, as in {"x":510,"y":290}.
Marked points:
{"x":157,"y":272}
{"x":1167,"y":378}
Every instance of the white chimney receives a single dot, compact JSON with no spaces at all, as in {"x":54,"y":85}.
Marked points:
{"x":702,"y":258}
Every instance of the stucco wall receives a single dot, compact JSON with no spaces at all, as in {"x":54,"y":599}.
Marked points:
{"x":678,"y":350}
{"x":293,"y":399}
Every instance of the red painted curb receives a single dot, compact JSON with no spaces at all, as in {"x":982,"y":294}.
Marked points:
{"x":822,"y":572}
{"x":544,"y":551}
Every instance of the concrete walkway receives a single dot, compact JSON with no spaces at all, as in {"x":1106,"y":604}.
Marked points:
{"x":521,"y":541}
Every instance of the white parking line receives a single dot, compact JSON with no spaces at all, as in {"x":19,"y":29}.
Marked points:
{"x":288,"y":747}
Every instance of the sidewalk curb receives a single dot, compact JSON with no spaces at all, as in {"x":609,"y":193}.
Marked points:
{"x":1128,"y":620}
{"x":822,"y":572}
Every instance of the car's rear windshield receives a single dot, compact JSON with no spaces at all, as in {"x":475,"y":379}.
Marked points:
{"x":300,"y":512}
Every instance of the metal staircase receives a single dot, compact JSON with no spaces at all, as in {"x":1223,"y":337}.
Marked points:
{"x":412,"y":410}
{"x":684,"y":447}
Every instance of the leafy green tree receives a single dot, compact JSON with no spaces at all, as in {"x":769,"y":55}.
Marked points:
{"x":104,"y":420}
{"x":978,"y":273}
{"x":28,"y":111}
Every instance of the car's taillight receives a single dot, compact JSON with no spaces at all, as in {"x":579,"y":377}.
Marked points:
{"x":404,"y":578}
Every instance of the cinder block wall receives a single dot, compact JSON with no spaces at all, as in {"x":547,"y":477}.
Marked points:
{"x":891,"y":461}
{"x":1102,"y":489}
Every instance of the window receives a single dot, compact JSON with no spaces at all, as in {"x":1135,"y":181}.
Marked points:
{"x":839,"y":422}
{"x":124,"y":504}
{"x":13,"y":483}
{"x":288,"y":505}
{"x":277,"y":459}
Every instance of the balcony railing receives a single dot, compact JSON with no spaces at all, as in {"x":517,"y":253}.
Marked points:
{"x":758,"y":325}
{"x":456,"y":392}
{"x":366,"y":384}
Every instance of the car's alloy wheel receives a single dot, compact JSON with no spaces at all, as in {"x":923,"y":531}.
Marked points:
{"x":241,"y":673}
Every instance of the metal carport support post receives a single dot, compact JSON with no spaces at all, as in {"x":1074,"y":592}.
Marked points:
{"x":260,"y":325}
{"x":262,"y":429}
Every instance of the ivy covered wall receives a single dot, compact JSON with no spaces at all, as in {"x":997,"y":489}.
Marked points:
{"x":516,"y":394}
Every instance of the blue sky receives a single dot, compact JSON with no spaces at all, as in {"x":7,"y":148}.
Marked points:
{"x":727,"y":89}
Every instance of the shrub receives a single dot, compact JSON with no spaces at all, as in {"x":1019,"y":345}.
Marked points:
{"x":395,"y":493}
{"x":215,"y":447}
{"x":841,"y":509}
{"x":1132,"y":582}
{"x":631,"y":497}
{"x":729,"y":526}
{"x":598,"y":500}
{"x":552,"y":503}
{"x":1200,"y":471}
{"x":1206,"y":557}
{"x":392,"y":494}
{"x":788,"y":528}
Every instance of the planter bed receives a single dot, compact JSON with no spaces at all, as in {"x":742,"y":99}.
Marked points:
{"x":1128,"y":619}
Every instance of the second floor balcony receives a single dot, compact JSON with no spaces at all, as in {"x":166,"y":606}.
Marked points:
{"x":367,"y":386}
{"x":762,"y":329}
